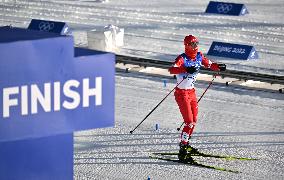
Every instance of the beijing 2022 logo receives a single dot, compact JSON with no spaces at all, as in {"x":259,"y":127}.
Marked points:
{"x":224,"y":8}
{"x":46,"y":26}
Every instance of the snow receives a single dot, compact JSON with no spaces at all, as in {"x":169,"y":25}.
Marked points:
{"x":233,"y":120}
{"x":156,"y":29}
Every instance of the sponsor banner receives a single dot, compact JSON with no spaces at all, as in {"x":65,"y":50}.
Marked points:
{"x":49,"y":26}
{"x":236,"y":51}
{"x":226,"y":8}
{"x":45,"y":90}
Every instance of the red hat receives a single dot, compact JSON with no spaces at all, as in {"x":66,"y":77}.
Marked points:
{"x":190,"y":39}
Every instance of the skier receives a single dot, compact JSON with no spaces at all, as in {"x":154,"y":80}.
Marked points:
{"x":186,"y":67}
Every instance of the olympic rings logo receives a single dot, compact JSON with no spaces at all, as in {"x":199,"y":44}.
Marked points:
{"x":224,"y":8}
{"x":46,"y":26}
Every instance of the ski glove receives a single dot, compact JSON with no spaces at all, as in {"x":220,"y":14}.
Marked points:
{"x":191,"y":69}
{"x":222,"y":67}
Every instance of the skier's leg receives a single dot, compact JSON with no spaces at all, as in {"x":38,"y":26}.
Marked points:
{"x":194,"y":109}
{"x":183,"y":100}
{"x":184,"y":145}
{"x":190,"y":116}
{"x":184,"y":137}
{"x":188,"y":110}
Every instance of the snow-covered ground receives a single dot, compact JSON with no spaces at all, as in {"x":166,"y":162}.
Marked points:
{"x":156,"y":28}
{"x":233,"y":120}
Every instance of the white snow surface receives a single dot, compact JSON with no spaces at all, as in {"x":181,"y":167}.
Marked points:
{"x":155,"y":29}
{"x":233,"y":120}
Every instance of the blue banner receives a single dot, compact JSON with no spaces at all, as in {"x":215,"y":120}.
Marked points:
{"x":48,"y":90}
{"x":49,"y":26}
{"x":41,"y":158}
{"x":45,"y":90}
{"x":226,"y":8}
{"x":97,"y":99}
{"x":236,"y":51}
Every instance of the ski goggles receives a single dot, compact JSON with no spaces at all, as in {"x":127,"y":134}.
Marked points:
{"x":193,"y":44}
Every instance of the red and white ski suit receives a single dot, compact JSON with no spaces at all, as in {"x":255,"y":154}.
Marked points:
{"x":185,"y":93}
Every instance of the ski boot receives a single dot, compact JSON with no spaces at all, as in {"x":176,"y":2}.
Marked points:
{"x":192,"y":150}
{"x":184,"y":155}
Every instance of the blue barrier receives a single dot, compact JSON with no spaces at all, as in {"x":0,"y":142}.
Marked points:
{"x":49,"y":26}
{"x":49,"y":89}
{"x":41,"y":158}
{"x":226,"y":8}
{"x":90,"y":63}
{"x":236,"y":51}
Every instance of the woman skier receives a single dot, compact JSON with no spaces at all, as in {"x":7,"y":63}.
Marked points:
{"x":186,"y":67}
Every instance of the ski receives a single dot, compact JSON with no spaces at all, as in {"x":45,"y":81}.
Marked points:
{"x":195,"y":152}
{"x":207,"y":155}
{"x":193,"y":163}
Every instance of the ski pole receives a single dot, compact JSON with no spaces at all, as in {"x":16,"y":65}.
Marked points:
{"x":158,"y":105}
{"x":201,"y":97}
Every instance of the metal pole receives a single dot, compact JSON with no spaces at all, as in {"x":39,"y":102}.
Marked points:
{"x":157,"y":105}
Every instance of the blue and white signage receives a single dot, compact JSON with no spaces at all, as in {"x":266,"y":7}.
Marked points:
{"x":49,"y":26}
{"x":226,"y":8}
{"x":45,"y":90}
{"x":48,"y":90}
{"x":236,"y":51}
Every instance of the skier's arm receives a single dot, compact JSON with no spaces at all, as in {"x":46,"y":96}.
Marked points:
{"x":207,"y":63}
{"x":177,"y":67}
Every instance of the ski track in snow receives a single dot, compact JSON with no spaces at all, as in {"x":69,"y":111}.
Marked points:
{"x":232,"y":120}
